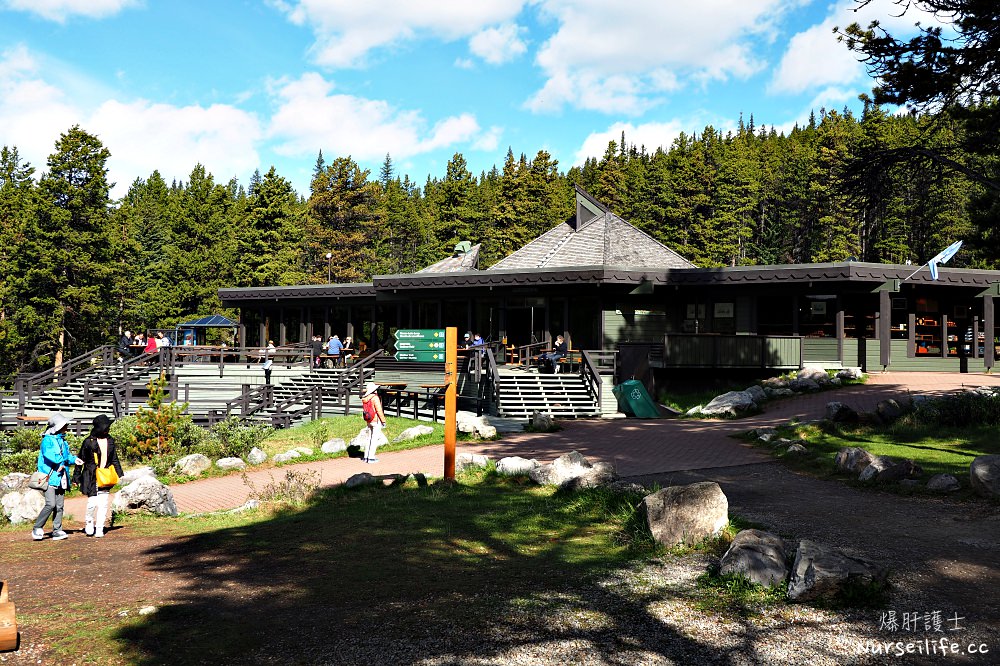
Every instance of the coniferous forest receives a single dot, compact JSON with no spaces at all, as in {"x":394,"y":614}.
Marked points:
{"x":79,"y":267}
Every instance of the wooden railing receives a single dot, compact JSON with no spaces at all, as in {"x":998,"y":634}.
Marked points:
{"x":594,"y":363}
{"x":28,"y":386}
{"x":528,"y":352}
{"x":489,"y":387}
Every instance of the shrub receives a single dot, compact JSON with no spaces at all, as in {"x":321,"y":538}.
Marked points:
{"x":959,"y":409}
{"x":123,"y":432}
{"x":156,"y":425}
{"x":25,"y":462}
{"x":188,"y":434}
{"x":23,"y":439}
{"x":235,"y":438}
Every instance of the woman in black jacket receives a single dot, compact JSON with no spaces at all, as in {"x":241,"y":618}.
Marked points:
{"x":98,"y":450}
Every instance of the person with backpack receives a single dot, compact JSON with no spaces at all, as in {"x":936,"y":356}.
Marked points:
{"x":371,"y":410}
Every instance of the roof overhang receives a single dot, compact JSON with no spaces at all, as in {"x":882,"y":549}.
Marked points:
{"x":303,"y":291}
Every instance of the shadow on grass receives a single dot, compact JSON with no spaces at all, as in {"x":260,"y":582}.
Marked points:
{"x":445,"y":573}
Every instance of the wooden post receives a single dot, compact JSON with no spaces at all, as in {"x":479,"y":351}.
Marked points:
{"x":451,"y":378}
{"x":884,"y":327}
{"x":989,"y":330}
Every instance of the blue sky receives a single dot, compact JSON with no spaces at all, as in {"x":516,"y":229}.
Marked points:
{"x":239,"y":85}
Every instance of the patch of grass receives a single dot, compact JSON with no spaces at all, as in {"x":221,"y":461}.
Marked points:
{"x":937,"y":449}
{"x":734,"y":592}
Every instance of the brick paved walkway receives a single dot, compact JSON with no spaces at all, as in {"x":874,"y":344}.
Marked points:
{"x":635,"y":447}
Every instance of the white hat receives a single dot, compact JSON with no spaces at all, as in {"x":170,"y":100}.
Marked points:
{"x":56,"y":423}
{"x":370,"y":388}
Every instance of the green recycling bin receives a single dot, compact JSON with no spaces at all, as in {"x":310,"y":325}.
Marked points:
{"x":634,"y":400}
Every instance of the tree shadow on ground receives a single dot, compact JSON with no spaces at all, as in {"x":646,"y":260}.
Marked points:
{"x":353,"y":578}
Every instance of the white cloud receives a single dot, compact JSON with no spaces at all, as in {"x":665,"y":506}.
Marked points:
{"x":347,"y":30}
{"x":628,"y":56}
{"x":499,"y":45}
{"x":311,"y":117}
{"x":650,"y":135}
{"x":141,"y":136}
{"x":60,"y":10}
{"x":815,"y":59}
{"x":489,"y":140}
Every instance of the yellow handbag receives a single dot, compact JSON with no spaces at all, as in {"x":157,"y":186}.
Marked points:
{"x":106,"y":476}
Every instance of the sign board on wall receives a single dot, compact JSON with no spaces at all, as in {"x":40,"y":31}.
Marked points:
{"x":724,"y":310}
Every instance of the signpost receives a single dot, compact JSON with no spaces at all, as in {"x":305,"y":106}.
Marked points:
{"x":433,"y":345}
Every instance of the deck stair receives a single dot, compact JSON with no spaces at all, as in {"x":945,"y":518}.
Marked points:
{"x":84,"y":396}
{"x":561,"y":395}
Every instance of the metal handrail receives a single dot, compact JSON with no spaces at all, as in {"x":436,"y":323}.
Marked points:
{"x":491,"y":381}
{"x":528,"y":351}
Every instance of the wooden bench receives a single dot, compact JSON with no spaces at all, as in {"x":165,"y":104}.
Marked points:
{"x":8,"y":621}
{"x":30,"y":420}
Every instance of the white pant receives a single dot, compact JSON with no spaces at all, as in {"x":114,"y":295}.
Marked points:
{"x":97,"y":511}
{"x":375,"y":439}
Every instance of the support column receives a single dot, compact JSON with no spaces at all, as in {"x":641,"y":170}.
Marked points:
{"x":944,"y":335}
{"x":840,"y":334}
{"x":884,"y":327}
{"x":975,"y":337}
{"x":989,"y":349}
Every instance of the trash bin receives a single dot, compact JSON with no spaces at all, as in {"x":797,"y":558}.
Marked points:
{"x":634,"y":400}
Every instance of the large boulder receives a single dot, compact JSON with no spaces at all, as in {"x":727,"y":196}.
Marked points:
{"x":815,"y":374}
{"x":413,"y":433}
{"x":335,"y":445}
{"x":853,"y":460}
{"x":758,"y":556}
{"x":943,"y":483}
{"x":888,"y":410}
{"x":137,"y":473}
{"x":803,"y":385}
{"x":541,"y":421}
{"x":573,"y":471}
{"x":145,"y":494}
{"x":257,"y":456}
{"x":22,"y":506}
{"x":191,"y":465}
{"x":230,"y":463}
{"x":686,"y":514}
{"x":849,"y":374}
{"x":466,"y":460}
{"x":14,"y":481}
{"x":781,"y":392}
{"x":822,"y":572}
{"x":902,"y":470}
{"x":984,"y":476}
{"x":286,"y":456}
{"x":877,"y":465}
{"x":757,"y":394}
{"x":838,"y":412}
{"x":729,"y":404}
{"x":475,"y":425}
{"x":515,"y":465}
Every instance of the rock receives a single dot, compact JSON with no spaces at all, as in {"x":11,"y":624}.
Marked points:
{"x":191,"y":465}
{"x":780,"y":392}
{"x":774,"y":383}
{"x":335,"y":445}
{"x":246,"y":506}
{"x":541,"y":421}
{"x":362,"y":479}
{"x":573,"y":471}
{"x":943,"y":483}
{"x":849,"y":374}
{"x":910,"y":483}
{"x":821,"y":572}
{"x":782,"y":442}
{"x":413,"y":433}
{"x":686,"y":514}
{"x":762,"y":434}
{"x":476,"y":425}
{"x":361,"y":439}
{"x":465,"y":460}
{"x":285,"y":457}
{"x":836,"y":381}
{"x":729,"y":404}
{"x":256,"y":456}
{"x":22,"y":506}
{"x":757,"y":394}
{"x":796,"y":448}
{"x":14,"y":481}
{"x":877,"y":465}
{"x":137,"y":473}
{"x":302,"y":450}
{"x":627,"y":487}
{"x":853,"y":460}
{"x":905,"y":469}
{"x":145,"y":494}
{"x":803,"y":385}
{"x":888,"y":410}
{"x":815,"y":374}
{"x":838,"y":412}
{"x":984,"y":476}
{"x":147,"y":610}
{"x":758,"y":556}
{"x":694,"y":411}
{"x":515,"y":465}
{"x":230,"y":463}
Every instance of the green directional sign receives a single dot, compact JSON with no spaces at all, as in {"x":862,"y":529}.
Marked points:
{"x":420,"y":345}
{"x":420,"y":334}
{"x":423,"y":356}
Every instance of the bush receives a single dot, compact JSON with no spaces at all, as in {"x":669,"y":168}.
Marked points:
{"x":22,"y":439}
{"x":959,"y":409}
{"x":189,"y":435}
{"x":25,"y":462}
{"x":156,"y":425}
{"x":123,"y":432}
{"x":235,"y":438}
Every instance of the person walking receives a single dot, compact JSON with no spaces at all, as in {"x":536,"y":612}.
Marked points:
{"x":54,"y":459}
{"x":98,"y":451}
{"x":268,"y":360}
{"x":371,"y":410}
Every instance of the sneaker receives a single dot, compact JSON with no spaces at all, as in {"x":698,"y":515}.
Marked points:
{"x":37,"y":534}
{"x":58,"y":535}
{"x":89,"y":530}
{"x":373,"y":460}
{"x":98,"y":534}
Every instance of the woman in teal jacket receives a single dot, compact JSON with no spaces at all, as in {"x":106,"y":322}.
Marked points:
{"x":54,"y":458}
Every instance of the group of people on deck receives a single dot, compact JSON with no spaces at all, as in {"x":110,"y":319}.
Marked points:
{"x":334,"y":348}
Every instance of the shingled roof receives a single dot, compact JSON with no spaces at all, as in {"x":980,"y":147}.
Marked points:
{"x":595,"y":237}
{"x":465,"y":260}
